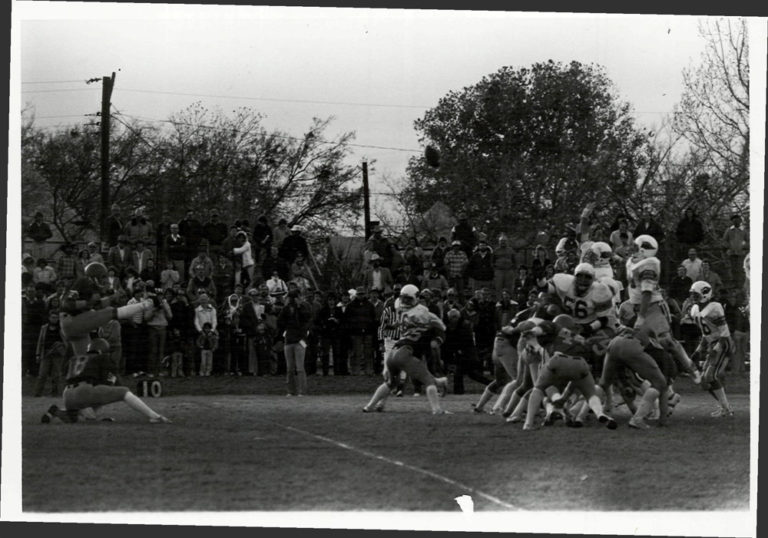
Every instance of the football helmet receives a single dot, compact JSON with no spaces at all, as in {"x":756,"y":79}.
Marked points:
{"x":602,"y":250}
{"x":98,"y":345}
{"x":96,"y":270}
{"x":409,"y":295}
{"x":646,"y":246}
{"x":564,"y":321}
{"x":701,"y":292}
{"x":585,"y":275}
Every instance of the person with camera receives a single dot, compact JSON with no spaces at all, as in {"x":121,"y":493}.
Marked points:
{"x":157,"y":325}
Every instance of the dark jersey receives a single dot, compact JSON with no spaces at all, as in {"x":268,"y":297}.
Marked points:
{"x":81,"y":290}
{"x":92,"y":368}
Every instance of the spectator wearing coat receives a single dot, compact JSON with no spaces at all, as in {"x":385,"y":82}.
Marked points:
{"x":192,"y":230}
{"x":647,"y":225}
{"x":438,"y":255}
{"x":39,"y":232}
{"x":120,"y":256}
{"x":202,"y":258}
{"x":201,"y":284}
{"x":262,"y":239}
{"x":480,"y":268}
{"x":139,"y":228}
{"x":378,"y":277}
{"x":736,"y":240}
{"x":67,"y":266}
{"x":456,"y":262}
{"x":362,"y":329}
{"x":293,"y":322}
{"x":114,"y":226}
{"x":689,"y":232}
{"x":140,"y":256}
{"x":465,"y":233}
{"x":503,"y":267}
{"x":293,"y":245}
{"x":215,"y":232}
{"x":243,"y":251}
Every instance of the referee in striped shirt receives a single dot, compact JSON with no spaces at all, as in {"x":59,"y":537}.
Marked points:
{"x":389,"y":328}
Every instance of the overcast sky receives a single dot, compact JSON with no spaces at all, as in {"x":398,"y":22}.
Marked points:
{"x":402,"y":61}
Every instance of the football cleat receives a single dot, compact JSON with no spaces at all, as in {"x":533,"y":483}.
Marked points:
{"x":529,"y":427}
{"x":160,"y":419}
{"x":608,"y":421}
{"x":514,"y":419}
{"x":721,"y":412}
{"x":476,"y":409}
{"x":573,"y":423}
{"x":638,"y":424}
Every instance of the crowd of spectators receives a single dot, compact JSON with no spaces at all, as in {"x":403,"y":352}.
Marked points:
{"x":241,"y":300}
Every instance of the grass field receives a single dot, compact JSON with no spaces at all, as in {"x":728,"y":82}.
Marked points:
{"x":245,"y":446}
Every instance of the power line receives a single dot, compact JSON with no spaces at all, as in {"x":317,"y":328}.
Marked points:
{"x":62,"y":90}
{"x":287,"y":137}
{"x":52,"y":81}
{"x":251,"y":98}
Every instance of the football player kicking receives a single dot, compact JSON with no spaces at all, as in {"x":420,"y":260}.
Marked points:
{"x":643,"y":272}
{"x":627,"y":350}
{"x":83,"y":311}
{"x":419,"y":328}
{"x":565,"y":369}
{"x":715,"y":342}
{"x":90,"y":387}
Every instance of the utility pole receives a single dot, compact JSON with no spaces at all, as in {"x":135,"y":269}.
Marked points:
{"x":107,"y":83}
{"x":366,"y":202}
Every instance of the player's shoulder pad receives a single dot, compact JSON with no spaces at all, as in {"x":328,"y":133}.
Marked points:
{"x":561,"y":281}
{"x":713,"y":310}
{"x":601,"y":293}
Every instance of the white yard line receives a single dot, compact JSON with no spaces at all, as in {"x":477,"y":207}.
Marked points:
{"x":404,"y":465}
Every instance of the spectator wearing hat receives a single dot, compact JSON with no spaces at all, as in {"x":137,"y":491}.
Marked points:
{"x":262,"y":239}
{"x":456,"y":262}
{"x":480,"y":268}
{"x":736,"y":241}
{"x":120,"y":256}
{"x":280,"y":232}
{"x":215,"y":232}
{"x":438,"y":255}
{"x":433,"y":280}
{"x":139,"y":228}
{"x":293,"y":322}
{"x":67,"y":266}
{"x":140,"y":255}
{"x":362,"y":328}
{"x":39,"y":232}
{"x":114,"y":225}
{"x":503,"y":267}
{"x":465,"y":233}
{"x":44,"y":273}
{"x":192,"y":230}
{"x":244,"y":255}
{"x":378,"y":244}
{"x":378,"y":277}
{"x":202,"y":258}
{"x":93,"y":253}
{"x":293,"y":245}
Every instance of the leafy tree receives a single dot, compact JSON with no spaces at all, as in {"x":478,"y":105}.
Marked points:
{"x":232,"y":163}
{"x":528,"y":148}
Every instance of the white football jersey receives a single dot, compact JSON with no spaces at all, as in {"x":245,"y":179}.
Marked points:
{"x":596,"y":302}
{"x":643,"y":275}
{"x":711,"y":321}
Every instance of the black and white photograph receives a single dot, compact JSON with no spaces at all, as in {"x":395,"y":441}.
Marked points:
{"x":376,"y":268}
